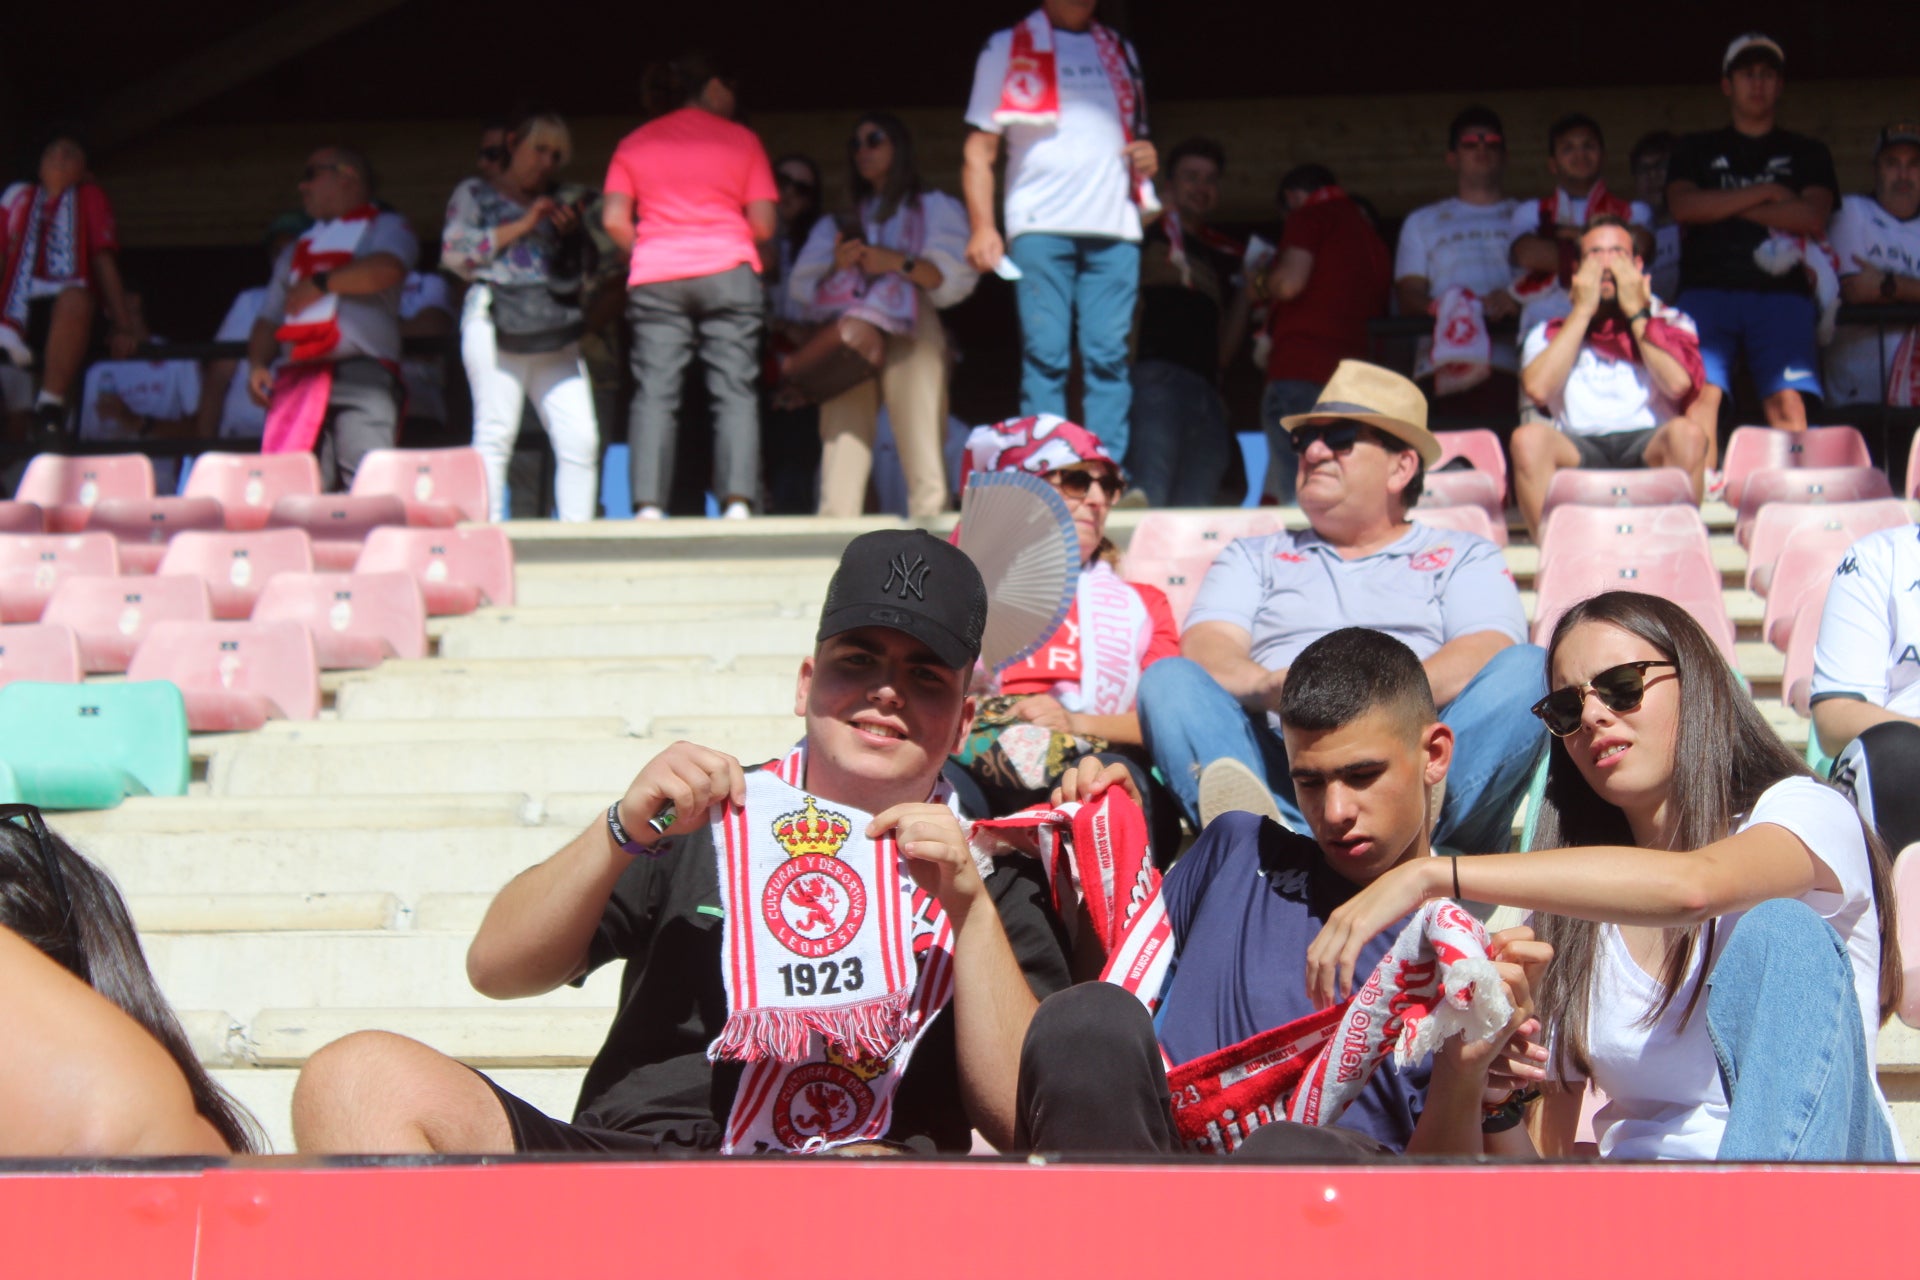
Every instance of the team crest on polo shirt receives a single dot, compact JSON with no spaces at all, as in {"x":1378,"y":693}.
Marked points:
{"x":813,"y":903}
{"x":1431,"y":561}
{"x":824,"y":1102}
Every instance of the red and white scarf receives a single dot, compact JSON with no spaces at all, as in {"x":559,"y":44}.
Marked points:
{"x":1462,"y":348}
{"x":1177,"y":232}
{"x":890,"y":302}
{"x":1557,"y":211}
{"x":50,"y":239}
{"x":314,"y":331}
{"x":1096,"y":854}
{"x":1612,"y":339}
{"x":835,"y":964}
{"x":1115,"y":630}
{"x":1030,"y":91}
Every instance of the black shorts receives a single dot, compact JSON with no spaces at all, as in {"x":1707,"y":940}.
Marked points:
{"x":1614,"y":451}
{"x":534,"y":1131}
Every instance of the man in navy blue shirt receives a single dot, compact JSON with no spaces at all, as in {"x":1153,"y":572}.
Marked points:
{"x":1365,"y":748}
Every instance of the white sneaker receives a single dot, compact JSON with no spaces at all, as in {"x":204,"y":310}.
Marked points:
{"x":736,"y":510}
{"x":1227,"y":786}
{"x":649,"y":513}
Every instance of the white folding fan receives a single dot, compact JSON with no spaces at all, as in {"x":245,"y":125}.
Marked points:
{"x":1018,"y":531}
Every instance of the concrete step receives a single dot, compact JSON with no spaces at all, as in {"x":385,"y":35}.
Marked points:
{"x":329,"y":732}
{"x":141,"y":816}
{"x":264,"y":912}
{"x":243,"y":973}
{"x":496,"y":1036}
{"x":268,"y":1093}
{"x":634,"y":689}
{"x":683,"y":582}
{"x":790,"y":635}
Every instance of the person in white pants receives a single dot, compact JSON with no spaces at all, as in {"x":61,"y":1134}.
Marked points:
{"x":503,"y":235}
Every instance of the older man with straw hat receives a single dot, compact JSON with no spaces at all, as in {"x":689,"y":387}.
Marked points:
{"x":1363,"y":451}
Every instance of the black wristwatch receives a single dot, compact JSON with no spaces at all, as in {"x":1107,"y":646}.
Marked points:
{"x":321,"y":280}
{"x":907,"y":264}
{"x":1644,"y":313}
{"x":1889,"y":286}
{"x":1509,"y":1113}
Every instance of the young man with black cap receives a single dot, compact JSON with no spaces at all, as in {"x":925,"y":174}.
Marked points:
{"x":1733,"y":189}
{"x":793,"y":934}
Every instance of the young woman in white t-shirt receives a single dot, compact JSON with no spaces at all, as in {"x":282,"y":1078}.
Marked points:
{"x":1724,"y":944}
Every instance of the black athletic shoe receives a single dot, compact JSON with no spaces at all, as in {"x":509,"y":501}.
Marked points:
{"x":48,"y":434}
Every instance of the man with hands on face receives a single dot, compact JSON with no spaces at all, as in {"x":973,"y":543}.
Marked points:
{"x":1247,"y":902}
{"x":1618,"y":375}
{"x":884,"y":696}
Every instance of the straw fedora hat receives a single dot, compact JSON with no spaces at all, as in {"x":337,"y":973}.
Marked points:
{"x":1378,"y":397}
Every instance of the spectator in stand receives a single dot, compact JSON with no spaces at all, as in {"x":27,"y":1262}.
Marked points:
{"x":494,"y":155}
{"x":1877,"y":239}
{"x":59,"y":265}
{"x":97,"y":1064}
{"x":700,"y":190}
{"x":426,"y":311}
{"x":1616,"y":374}
{"x":1746,"y":195}
{"x":227,"y":407}
{"x":895,"y":262}
{"x":789,"y":425}
{"x":1866,"y":681}
{"x":333,"y":311}
{"x":1066,"y":93}
{"x":1192,"y":317}
{"x":1546,"y":232}
{"x":1649,"y":161}
{"x":1462,"y":244}
{"x":1363,"y":450}
{"x":519,"y":240}
{"x":136,"y":400}
{"x":1327,"y":280}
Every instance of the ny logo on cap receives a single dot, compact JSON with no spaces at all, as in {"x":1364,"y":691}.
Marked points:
{"x":912,"y":577}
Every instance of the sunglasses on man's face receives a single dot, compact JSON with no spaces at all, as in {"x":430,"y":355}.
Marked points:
{"x":314,"y":170}
{"x":1339,"y":436}
{"x":1619,"y":689}
{"x":870,"y":140}
{"x":1481,"y":141}
{"x":1077,"y":484}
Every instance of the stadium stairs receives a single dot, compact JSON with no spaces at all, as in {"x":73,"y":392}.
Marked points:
{"x":325,"y":876}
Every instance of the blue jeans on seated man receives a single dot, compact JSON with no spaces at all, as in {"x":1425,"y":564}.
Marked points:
{"x":1785,"y":1026}
{"x":1181,"y":444}
{"x":1097,"y":277}
{"x":1190,"y":721}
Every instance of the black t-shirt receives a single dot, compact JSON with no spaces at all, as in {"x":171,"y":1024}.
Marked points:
{"x":1719,"y":255}
{"x":1180,"y":320}
{"x":652,"y":1076}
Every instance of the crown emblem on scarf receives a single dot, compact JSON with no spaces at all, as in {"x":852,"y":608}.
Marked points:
{"x":811,"y":831}
{"x":865,"y":1068}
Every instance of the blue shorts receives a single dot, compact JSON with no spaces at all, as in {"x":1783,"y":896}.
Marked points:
{"x":1775,"y":330}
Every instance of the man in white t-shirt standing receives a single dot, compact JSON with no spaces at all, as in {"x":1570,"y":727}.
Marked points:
{"x":1463,"y":243}
{"x":1877,"y":240}
{"x":1617,"y":375}
{"x":1066,"y":94}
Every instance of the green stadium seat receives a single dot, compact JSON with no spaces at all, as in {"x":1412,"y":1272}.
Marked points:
{"x":89,"y":746}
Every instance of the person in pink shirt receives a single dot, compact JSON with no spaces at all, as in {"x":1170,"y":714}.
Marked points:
{"x":690,"y":195}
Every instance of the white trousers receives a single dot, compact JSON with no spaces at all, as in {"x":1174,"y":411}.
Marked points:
{"x":556,"y":382}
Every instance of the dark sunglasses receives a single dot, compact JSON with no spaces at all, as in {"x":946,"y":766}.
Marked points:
{"x":74,"y":960}
{"x":870,"y":140}
{"x":1619,"y":689}
{"x":1339,"y":435}
{"x":1488,"y":141}
{"x":801,"y":185}
{"x":313,"y":171}
{"x":495,"y":155}
{"x":1075,"y":484}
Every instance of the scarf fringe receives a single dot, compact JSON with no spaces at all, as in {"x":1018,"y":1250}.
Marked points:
{"x":870,"y":1030}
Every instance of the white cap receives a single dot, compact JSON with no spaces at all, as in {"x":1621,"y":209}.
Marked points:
{"x":1750,"y":41}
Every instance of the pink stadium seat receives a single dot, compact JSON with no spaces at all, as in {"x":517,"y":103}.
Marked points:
{"x":1801,"y":632}
{"x":111,"y":616}
{"x":1465,"y":489}
{"x":458,"y":569}
{"x":33,"y":564}
{"x":1684,"y":577}
{"x":1806,"y":484}
{"x":1172,"y":550}
{"x":1811,"y":556}
{"x":143,"y":526}
{"x":1751,"y":449}
{"x":1477,"y":445}
{"x":1906,"y":896}
{"x":356,"y":619}
{"x":440,"y":487}
{"x":66,"y":487}
{"x":22,"y":517}
{"x":338,"y":523}
{"x":1468,"y":519}
{"x":1645,"y":530}
{"x":1775,"y":522}
{"x":234,"y":675}
{"x":1831,"y":447}
{"x":1640,"y":487}
{"x":235,"y":566}
{"x":248,"y":484}
{"x":39,"y":651}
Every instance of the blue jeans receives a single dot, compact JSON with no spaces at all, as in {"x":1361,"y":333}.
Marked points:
{"x":1282,"y":397}
{"x":1181,"y":443}
{"x":1189,"y":721}
{"x":1785,"y":1026}
{"x":1098,"y":278}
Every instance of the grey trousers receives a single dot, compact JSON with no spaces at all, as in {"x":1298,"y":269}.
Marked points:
{"x":363,"y":414}
{"x":721,"y":317}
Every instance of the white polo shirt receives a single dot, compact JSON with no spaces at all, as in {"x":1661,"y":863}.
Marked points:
{"x":1602,"y":396}
{"x":163,"y":390}
{"x":1869,"y":644}
{"x":1287,"y":590}
{"x":1858,"y":355}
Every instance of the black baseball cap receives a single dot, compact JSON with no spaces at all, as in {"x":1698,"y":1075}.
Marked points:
{"x":1897,"y":135}
{"x":911,"y":581}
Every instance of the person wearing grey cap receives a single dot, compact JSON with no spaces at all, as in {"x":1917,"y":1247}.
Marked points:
{"x":793,"y":933}
{"x":1741,"y":193}
{"x":1877,"y":239}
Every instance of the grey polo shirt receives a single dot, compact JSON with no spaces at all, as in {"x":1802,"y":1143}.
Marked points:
{"x":1287,"y":590}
